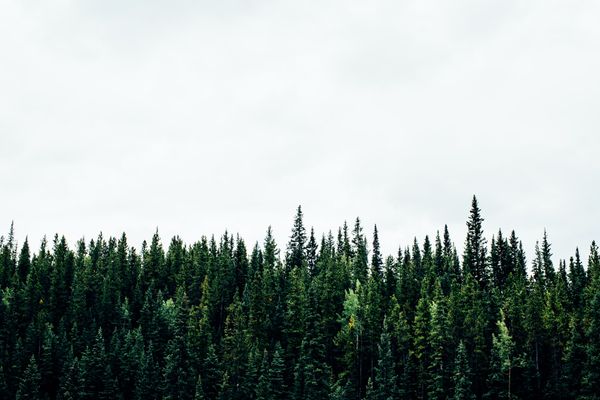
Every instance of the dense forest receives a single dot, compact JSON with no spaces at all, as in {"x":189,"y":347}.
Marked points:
{"x":324,"y":318}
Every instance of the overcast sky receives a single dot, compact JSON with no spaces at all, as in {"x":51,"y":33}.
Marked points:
{"x":200,"y":116}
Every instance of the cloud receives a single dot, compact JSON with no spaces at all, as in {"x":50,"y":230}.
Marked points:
{"x":203,"y":116}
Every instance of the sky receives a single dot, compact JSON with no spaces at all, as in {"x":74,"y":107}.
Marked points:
{"x":195,"y":117}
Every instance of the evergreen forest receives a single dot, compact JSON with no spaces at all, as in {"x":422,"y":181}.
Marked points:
{"x":321,"y":317}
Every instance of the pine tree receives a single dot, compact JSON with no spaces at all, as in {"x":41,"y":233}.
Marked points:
{"x":332,"y":321}
{"x":421,"y":346}
{"x":547,"y":265}
{"x":263,"y":388}
{"x":574,"y":358}
{"x":349,"y":343}
{"x":377,"y":259}
{"x":474,"y":259}
{"x":296,"y":250}
{"x":153,"y":264}
{"x":4,"y":390}
{"x":462,"y":376}
{"x":70,"y":382}
{"x":594,"y":264}
{"x":311,"y":254}
{"x":370,"y":393}
{"x":276,"y":374}
{"x":235,"y":346}
{"x":212,"y":373}
{"x":400,"y":331}
{"x":577,"y":279}
{"x":591,"y":372}
{"x":385,"y":371}
{"x":360,"y":254}
{"x":29,"y":388}
{"x":502,"y":363}
{"x":199,"y":391}
{"x":96,"y":375}
{"x":439,"y":343}
{"x":346,"y":247}
{"x":24,"y":264}
{"x":148,"y":380}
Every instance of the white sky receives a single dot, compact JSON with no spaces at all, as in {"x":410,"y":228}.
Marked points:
{"x":201,"y":116}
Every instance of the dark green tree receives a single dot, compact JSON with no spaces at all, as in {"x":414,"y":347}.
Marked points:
{"x":462,"y":375}
{"x":29,"y":387}
{"x":474,"y":258}
{"x":296,"y":250}
{"x":386,"y":381}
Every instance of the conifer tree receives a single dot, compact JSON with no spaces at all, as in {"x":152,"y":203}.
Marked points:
{"x":29,"y":387}
{"x":97,"y":380}
{"x":360,"y":255}
{"x":148,"y":380}
{"x":311,"y":253}
{"x":421,"y":347}
{"x":263,"y":388}
{"x":591,"y":372}
{"x":474,"y":259}
{"x":502,"y":363}
{"x":377,"y":259}
{"x":593,"y":264}
{"x":276,"y":374}
{"x":547,"y":264}
{"x":199,"y":391}
{"x":385,"y":371}
{"x":462,"y":376}
{"x":439,"y":343}
{"x":349,"y":342}
{"x":296,"y":250}
{"x":4,"y":390}
{"x":574,"y":358}
{"x":212,"y":373}
{"x":370,"y":393}
{"x":101,"y":320}
{"x":24,"y":264}
{"x":577,"y":279}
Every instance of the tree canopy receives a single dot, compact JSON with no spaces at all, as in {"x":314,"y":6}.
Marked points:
{"x":329,"y":317}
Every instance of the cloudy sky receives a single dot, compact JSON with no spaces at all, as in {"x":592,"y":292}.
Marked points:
{"x":200,"y":116}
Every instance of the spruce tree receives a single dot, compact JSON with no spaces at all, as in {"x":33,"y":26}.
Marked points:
{"x":462,"y":376}
{"x":439,"y":343}
{"x":385,"y":372}
{"x":199,"y":391}
{"x":104,"y":321}
{"x":263,"y":388}
{"x":24,"y":264}
{"x":4,"y":390}
{"x":311,"y":253}
{"x":276,"y":374}
{"x":591,"y":372}
{"x":474,"y":258}
{"x":377,"y":259}
{"x":421,"y":347}
{"x":502,"y":363}
{"x":360,"y":254}
{"x":29,"y":387}
{"x":296,"y":250}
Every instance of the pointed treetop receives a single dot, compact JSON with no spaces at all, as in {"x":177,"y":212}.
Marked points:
{"x":296,"y":250}
{"x":377,"y":259}
{"x":474,"y":258}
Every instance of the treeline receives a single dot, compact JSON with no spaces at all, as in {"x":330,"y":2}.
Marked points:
{"x":328,"y":318}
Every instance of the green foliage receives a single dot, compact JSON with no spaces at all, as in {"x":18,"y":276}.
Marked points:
{"x":332,"y":318}
{"x":502,"y":364}
{"x":29,"y":387}
{"x":474,"y":259}
{"x":462,"y":375}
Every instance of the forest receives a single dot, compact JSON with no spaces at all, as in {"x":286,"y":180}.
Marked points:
{"x":326,"y":317}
